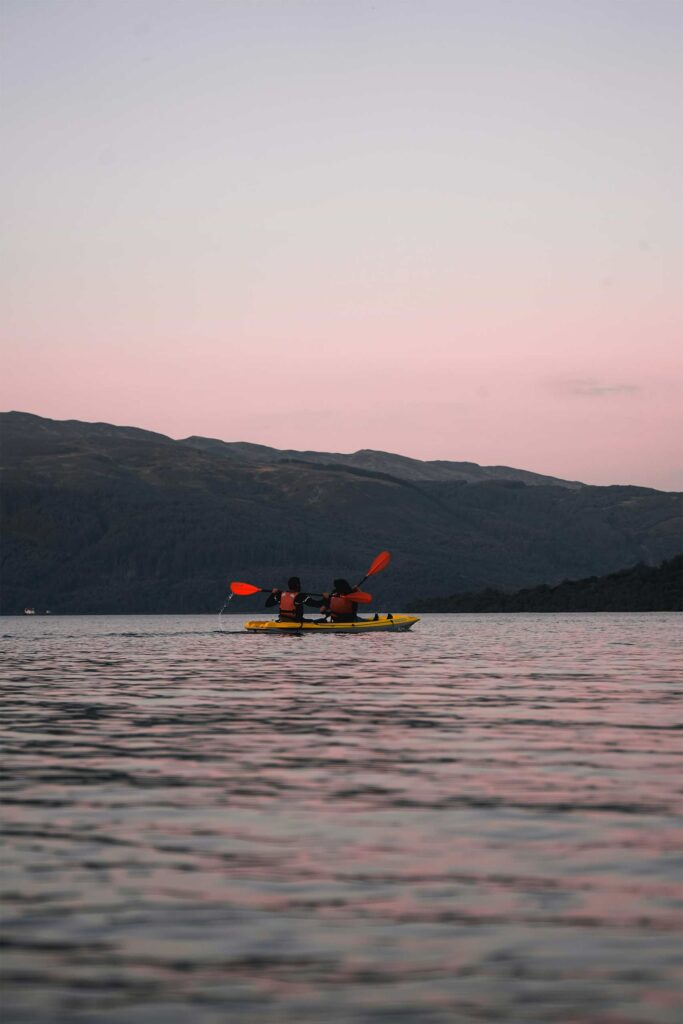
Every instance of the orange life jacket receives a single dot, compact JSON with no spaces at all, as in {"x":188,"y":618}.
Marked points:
{"x":341,"y":605}
{"x":288,"y":609}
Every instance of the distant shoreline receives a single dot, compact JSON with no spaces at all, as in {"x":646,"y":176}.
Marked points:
{"x":156,"y":615}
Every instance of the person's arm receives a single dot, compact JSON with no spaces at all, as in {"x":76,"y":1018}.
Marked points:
{"x":273,"y":598}
{"x":354,"y":596}
{"x":308,"y":599}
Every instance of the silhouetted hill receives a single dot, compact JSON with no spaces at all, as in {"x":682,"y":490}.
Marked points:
{"x":642,"y":588}
{"x":399,"y":466}
{"x":97,"y":518}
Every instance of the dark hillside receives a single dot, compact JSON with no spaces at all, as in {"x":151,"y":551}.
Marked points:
{"x":642,"y":588}
{"x":98,"y":518}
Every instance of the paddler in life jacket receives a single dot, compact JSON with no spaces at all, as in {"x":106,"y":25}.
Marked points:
{"x":291,"y":601}
{"x":340,"y":604}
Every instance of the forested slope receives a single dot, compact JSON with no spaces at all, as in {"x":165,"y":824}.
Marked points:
{"x":641,"y":588}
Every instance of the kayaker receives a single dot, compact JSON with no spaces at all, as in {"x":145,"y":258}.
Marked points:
{"x":292,"y":600}
{"x":340,"y":604}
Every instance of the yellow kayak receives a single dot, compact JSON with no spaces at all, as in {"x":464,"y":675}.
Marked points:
{"x":382,"y":624}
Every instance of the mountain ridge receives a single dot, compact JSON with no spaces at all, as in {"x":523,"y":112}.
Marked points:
{"x":402,"y":466}
{"x":98,"y":518}
{"x":394,"y":464}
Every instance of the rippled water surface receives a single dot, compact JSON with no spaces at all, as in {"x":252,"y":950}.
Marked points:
{"x":473,"y":821}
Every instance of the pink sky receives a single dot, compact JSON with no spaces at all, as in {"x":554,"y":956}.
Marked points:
{"x":447,"y":229}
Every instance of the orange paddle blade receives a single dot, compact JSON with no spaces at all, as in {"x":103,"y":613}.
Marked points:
{"x":360,"y":597}
{"x":244,"y":588}
{"x":381,"y":562}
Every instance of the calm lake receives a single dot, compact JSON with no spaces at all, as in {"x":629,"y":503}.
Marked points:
{"x":478,"y":820}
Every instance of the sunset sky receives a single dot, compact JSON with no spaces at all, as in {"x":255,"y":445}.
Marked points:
{"x":446,"y":228}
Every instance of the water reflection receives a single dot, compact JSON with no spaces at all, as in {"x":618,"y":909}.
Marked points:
{"x":477,"y":820}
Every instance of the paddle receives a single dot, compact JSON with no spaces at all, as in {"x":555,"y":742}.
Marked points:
{"x":244,"y":589}
{"x":379,"y":563}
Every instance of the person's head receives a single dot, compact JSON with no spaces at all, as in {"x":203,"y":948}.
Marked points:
{"x":294,"y":583}
{"x":342,"y":586}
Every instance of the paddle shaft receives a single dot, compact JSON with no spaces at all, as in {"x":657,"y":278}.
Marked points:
{"x":379,"y":563}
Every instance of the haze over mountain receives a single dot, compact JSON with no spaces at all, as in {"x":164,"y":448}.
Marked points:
{"x":99,"y":518}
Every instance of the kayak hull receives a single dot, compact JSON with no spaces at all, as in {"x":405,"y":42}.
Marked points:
{"x":384,"y":624}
